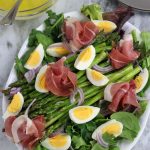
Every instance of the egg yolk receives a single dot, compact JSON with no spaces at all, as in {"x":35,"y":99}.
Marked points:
{"x":15,"y":104}
{"x":61,"y":51}
{"x":112,"y":129}
{"x":41,"y":82}
{"x":58,"y":141}
{"x":106,"y":26}
{"x":85,"y":55}
{"x":138,"y":81}
{"x":34,"y":58}
{"x":96,"y":75}
{"x":83,"y":113}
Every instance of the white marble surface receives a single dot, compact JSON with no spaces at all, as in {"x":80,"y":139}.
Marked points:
{"x":12,"y":37}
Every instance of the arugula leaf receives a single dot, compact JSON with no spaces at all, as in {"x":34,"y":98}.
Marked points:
{"x":32,"y":41}
{"x":92,"y":11}
{"x":128,"y":120}
{"x":78,"y":141}
{"x":53,"y":25}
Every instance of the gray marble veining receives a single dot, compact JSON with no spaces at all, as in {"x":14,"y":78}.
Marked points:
{"x":12,"y":37}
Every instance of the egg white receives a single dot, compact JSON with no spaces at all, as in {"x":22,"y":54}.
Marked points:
{"x":40,"y":51}
{"x":47,"y":144}
{"x":51,"y":50}
{"x":101,"y":82}
{"x":83,"y":65}
{"x":101,"y":127}
{"x":95,"y":110}
{"x":8,"y":114}
{"x":145,"y":76}
{"x":112,"y":25}
{"x":41,"y":72}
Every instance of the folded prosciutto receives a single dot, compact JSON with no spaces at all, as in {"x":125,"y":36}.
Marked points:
{"x":123,"y":54}
{"x":25,"y":131}
{"x":59,"y":79}
{"x":123,"y":94}
{"x":79,"y":34}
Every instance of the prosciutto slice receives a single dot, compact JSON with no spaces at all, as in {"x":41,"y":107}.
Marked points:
{"x":8,"y":125}
{"x":123,"y":54}
{"x":59,"y":79}
{"x":123,"y":95}
{"x":25,"y":131}
{"x":79,"y":34}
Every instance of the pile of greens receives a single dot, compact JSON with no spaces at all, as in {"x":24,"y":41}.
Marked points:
{"x":55,"y":109}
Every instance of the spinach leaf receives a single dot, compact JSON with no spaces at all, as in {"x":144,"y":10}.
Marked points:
{"x":44,"y":40}
{"x":37,"y":37}
{"x":128,"y":120}
{"x":128,"y":134}
{"x":92,"y":11}
{"x":143,"y":105}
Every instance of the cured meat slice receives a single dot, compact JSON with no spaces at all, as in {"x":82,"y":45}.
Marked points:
{"x":59,"y":79}
{"x":79,"y":34}
{"x":123,"y":95}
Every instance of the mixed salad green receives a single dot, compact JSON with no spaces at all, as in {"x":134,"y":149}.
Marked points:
{"x":80,"y":111}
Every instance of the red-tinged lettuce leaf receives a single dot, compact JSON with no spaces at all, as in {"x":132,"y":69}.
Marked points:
{"x":119,"y":16}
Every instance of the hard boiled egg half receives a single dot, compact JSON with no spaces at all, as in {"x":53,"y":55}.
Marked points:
{"x":96,"y":78}
{"x":111,"y":127}
{"x":35,"y":58}
{"x":57,"y":50}
{"x":141,"y":80}
{"x":83,"y":114}
{"x":40,"y":80}
{"x":105,"y":25}
{"x":85,"y":58}
{"x":58,"y":142}
{"x":15,"y":106}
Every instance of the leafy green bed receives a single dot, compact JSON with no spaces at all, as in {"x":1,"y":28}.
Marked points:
{"x":55,"y":109}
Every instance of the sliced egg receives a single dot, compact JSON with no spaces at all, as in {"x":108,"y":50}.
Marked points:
{"x":107,"y":93}
{"x":40,"y":80}
{"x":83,"y":114}
{"x":85,"y":58}
{"x":111,"y":127}
{"x":58,"y":142}
{"x":15,"y":106}
{"x":141,"y":80}
{"x":35,"y":58}
{"x":105,"y":25}
{"x":96,"y":78}
{"x":57,"y":50}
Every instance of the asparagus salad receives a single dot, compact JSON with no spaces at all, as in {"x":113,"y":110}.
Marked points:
{"x":80,"y":84}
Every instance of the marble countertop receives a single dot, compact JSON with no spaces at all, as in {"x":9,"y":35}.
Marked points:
{"x":12,"y":37}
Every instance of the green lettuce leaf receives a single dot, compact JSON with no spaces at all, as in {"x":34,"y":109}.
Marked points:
{"x":92,"y":11}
